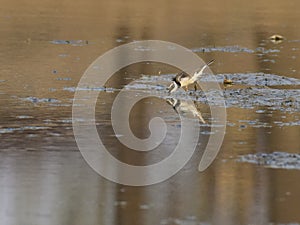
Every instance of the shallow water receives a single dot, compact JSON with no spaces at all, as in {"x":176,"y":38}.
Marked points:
{"x":47,"y":45}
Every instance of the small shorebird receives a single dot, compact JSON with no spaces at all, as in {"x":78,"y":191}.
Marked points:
{"x":183,"y":107}
{"x":183,"y":79}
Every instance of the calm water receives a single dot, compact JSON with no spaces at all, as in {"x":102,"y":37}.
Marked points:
{"x":45,"y":47}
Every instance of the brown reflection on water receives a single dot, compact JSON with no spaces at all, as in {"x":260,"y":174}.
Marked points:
{"x":43,"y":178}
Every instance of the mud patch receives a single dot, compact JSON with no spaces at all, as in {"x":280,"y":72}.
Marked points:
{"x":257,"y":79}
{"x":276,"y":99}
{"x":191,"y":220}
{"x":276,"y":160}
{"x":235,"y":49}
{"x":250,"y":90}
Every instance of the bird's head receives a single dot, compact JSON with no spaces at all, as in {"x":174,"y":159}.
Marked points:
{"x":174,"y":86}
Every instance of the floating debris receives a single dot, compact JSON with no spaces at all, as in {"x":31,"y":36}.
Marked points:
{"x":227,"y":81}
{"x":266,"y":51}
{"x":123,"y":39}
{"x":231,"y":49}
{"x":13,"y":129}
{"x":144,"y":86}
{"x":121,"y":204}
{"x":40,"y":100}
{"x":190,"y":220}
{"x":70,"y":42}
{"x":145,"y":206}
{"x":73,"y":89}
{"x":63,"y":55}
{"x":64,"y":78}
{"x":24,"y":117}
{"x":277,"y":160}
{"x":143,"y":49}
{"x":276,"y":38}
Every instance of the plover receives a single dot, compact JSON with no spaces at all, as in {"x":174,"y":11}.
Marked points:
{"x":183,"y":79}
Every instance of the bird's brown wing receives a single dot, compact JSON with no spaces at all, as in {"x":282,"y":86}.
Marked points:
{"x":181,"y":76}
{"x":183,"y":79}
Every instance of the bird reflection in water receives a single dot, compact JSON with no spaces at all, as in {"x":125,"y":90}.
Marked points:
{"x":184,"y":107}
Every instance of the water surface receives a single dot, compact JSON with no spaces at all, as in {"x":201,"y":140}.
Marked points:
{"x":47,"y":45}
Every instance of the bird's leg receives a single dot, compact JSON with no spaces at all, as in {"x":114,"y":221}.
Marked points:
{"x":196,"y":86}
{"x":185,"y":88}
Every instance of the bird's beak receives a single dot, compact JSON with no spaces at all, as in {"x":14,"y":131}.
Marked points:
{"x":173,"y":87}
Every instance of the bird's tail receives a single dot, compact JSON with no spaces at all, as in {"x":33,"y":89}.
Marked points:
{"x":200,"y":72}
